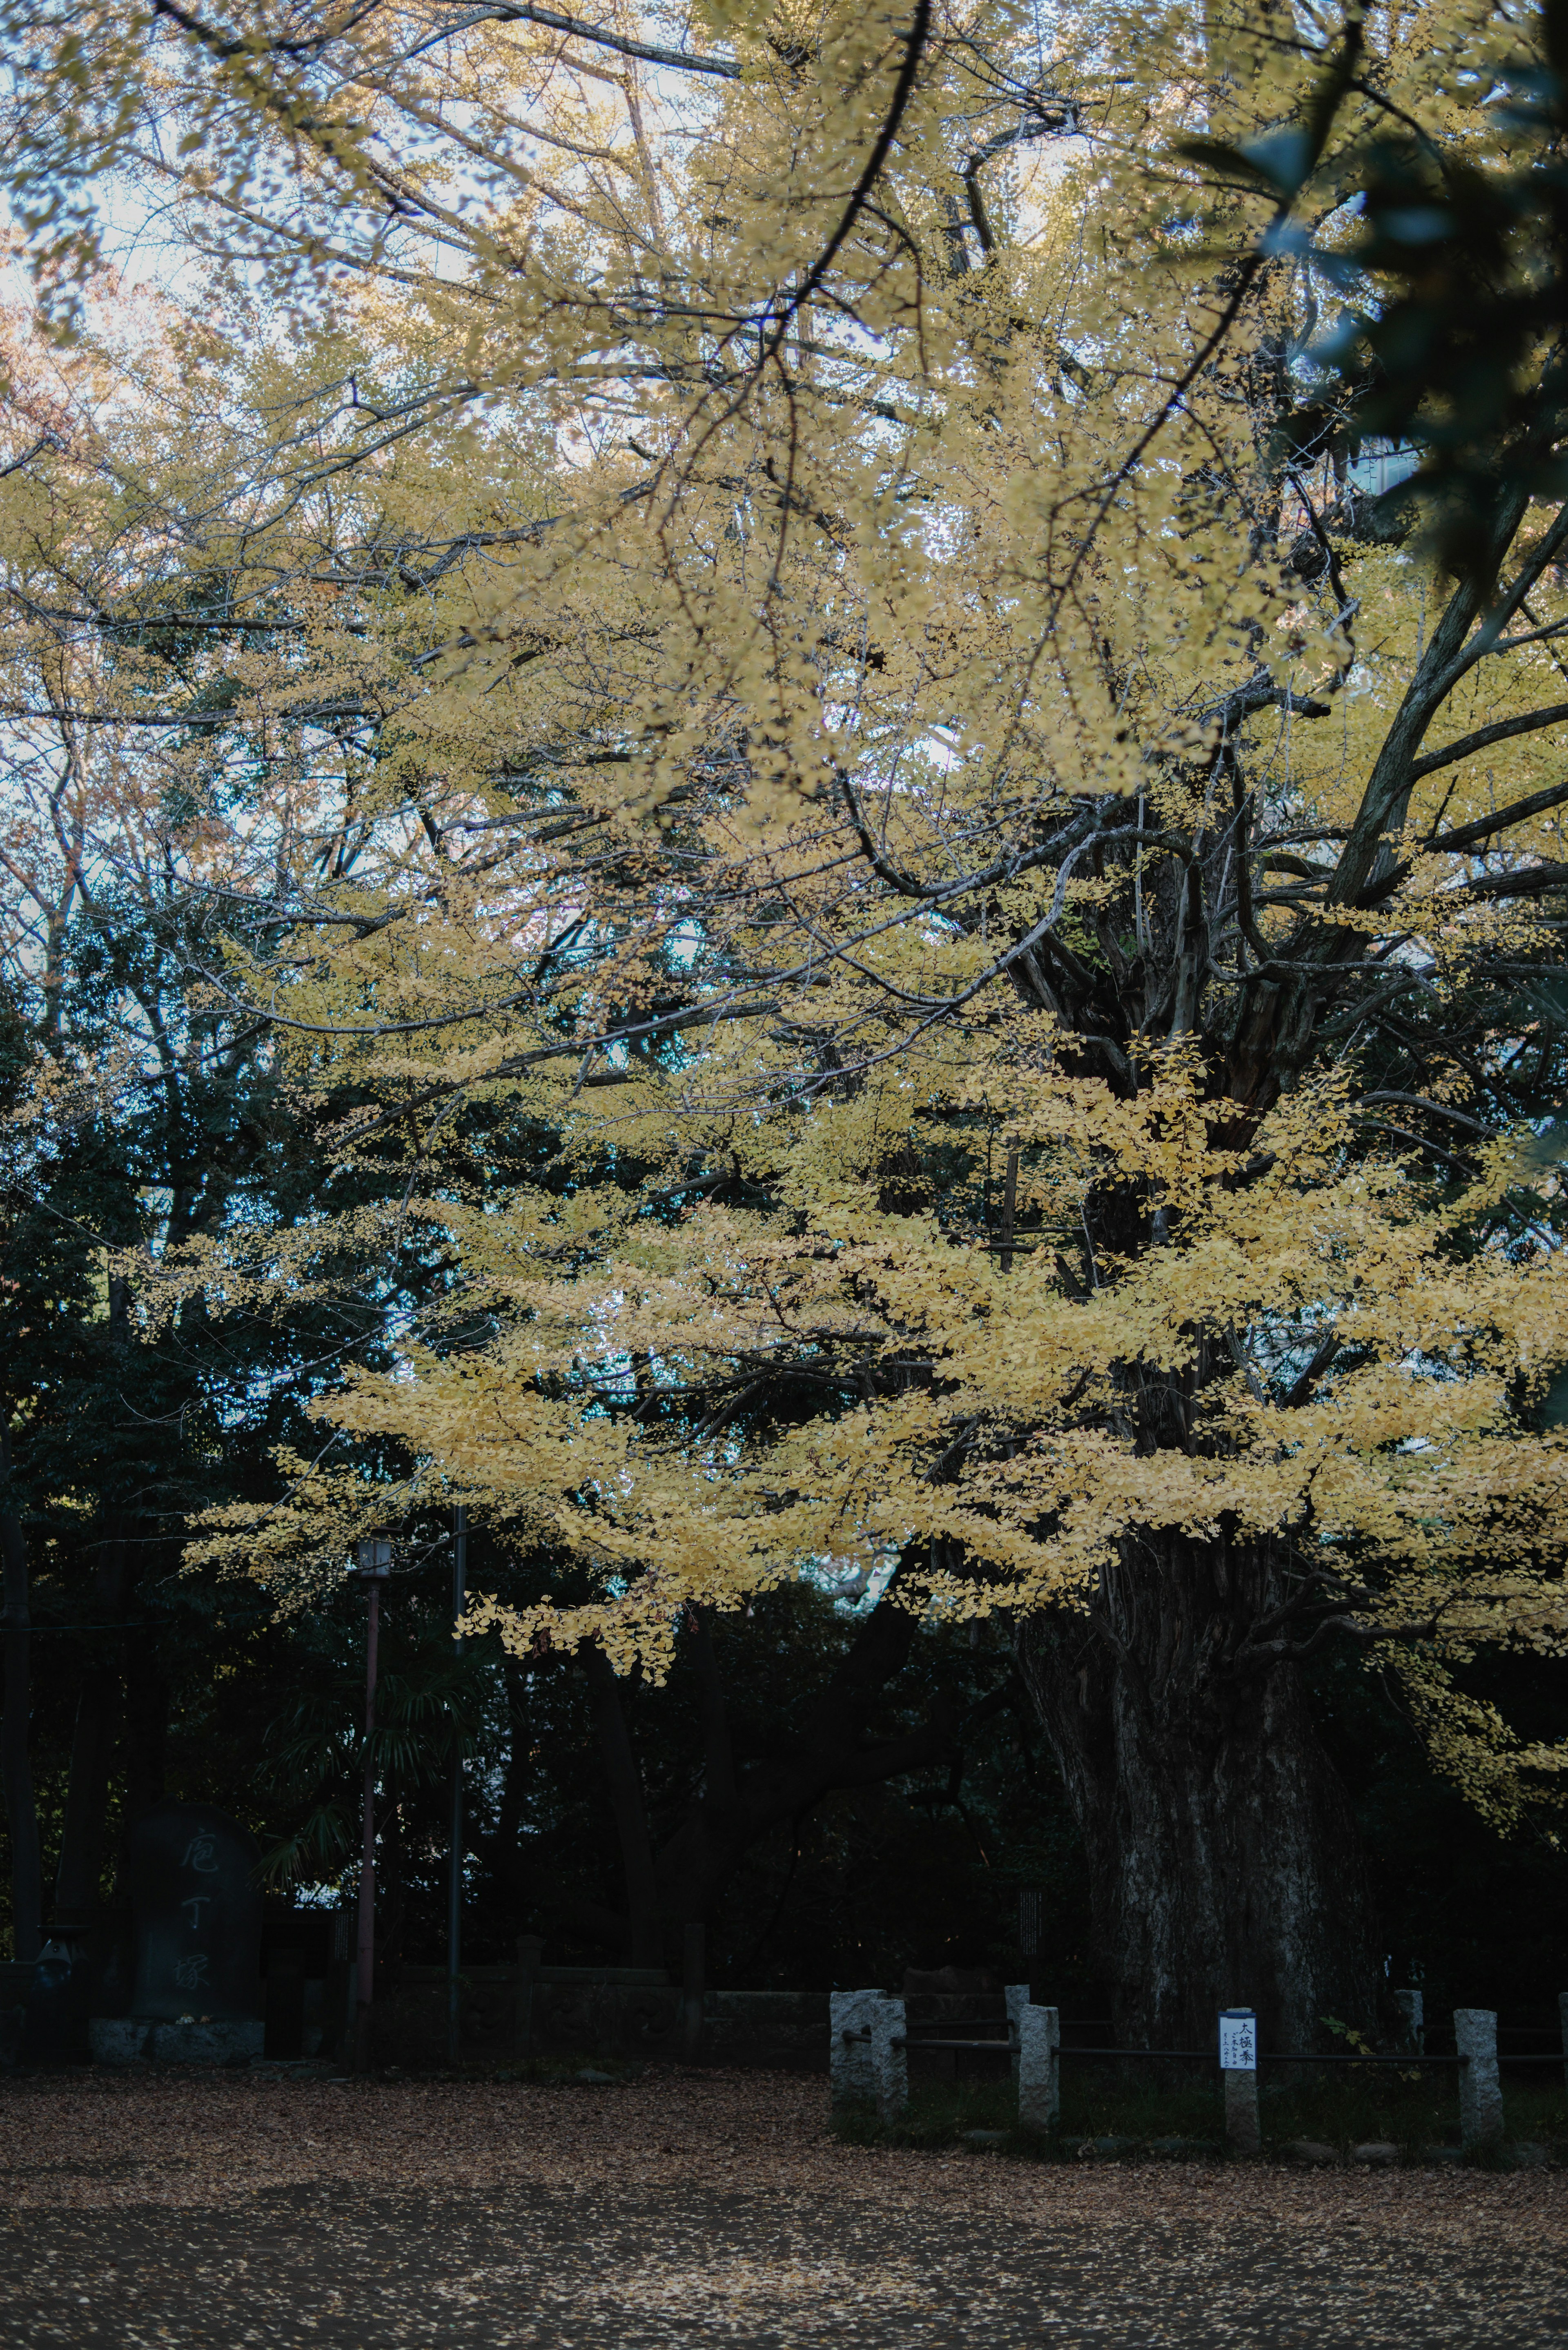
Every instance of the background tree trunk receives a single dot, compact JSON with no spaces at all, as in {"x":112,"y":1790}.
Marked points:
{"x":503,"y":1848}
{"x":1224,"y":1866}
{"x":146,"y":1726}
{"x":743,"y":1796}
{"x":645,"y":1941}
{"x":830,"y":1746}
{"x":78,"y":1876}
{"x":15,"y":1760}
{"x":79,"y":1870}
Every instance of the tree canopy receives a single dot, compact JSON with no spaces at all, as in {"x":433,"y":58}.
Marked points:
{"x":818,"y":681}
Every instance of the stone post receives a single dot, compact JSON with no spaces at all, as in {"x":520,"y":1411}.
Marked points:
{"x":1563,"y":2019}
{"x":1039,"y":2068}
{"x":1243,"y":2126}
{"x":849,"y":2056}
{"x":889,"y":2060}
{"x":1017,"y":1998}
{"x":1412,"y":2021}
{"x":1238,"y":2071}
{"x":1481,"y":2090}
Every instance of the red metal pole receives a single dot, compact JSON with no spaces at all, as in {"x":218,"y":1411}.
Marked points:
{"x":366,"y":1980}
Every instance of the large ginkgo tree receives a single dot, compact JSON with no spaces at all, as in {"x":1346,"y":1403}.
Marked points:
{"x":813,"y":600}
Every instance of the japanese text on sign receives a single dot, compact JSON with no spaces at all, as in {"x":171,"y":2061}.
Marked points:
{"x":1237,"y":2039}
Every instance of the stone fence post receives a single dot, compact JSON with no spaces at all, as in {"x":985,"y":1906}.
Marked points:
{"x":1039,"y":2067}
{"x":890,"y":2059}
{"x":1017,"y":1998}
{"x":1238,"y":2071}
{"x":849,"y":2056}
{"x":1480,"y":2089}
{"x":1412,"y":2021}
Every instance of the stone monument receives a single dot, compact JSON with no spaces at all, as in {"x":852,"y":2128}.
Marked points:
{"x":853,"y":2074}
{"x":196,"y":1920}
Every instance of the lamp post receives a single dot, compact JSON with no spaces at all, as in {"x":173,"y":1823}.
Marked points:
{"x":372,"y":1565}
{"x":455,"y":1879}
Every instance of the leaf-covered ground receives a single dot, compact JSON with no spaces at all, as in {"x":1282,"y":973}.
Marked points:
{"x":688,"y":2209}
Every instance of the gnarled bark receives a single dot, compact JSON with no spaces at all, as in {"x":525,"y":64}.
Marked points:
{"x":1224,"y":1865}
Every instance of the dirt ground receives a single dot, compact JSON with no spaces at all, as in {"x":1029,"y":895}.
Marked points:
{"x":696,"y":2209}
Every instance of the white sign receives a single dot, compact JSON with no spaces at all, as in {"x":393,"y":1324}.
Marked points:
{"x":1237,"y":2039}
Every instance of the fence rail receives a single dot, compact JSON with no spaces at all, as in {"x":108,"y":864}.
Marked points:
{"x":872,"y":2039}
{"x":996,"y":2047}
{"x":1277,"y":2056}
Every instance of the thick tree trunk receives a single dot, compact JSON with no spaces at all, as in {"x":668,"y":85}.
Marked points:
{"x":15,"y":1760}
{"x":1224,"y":1865}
